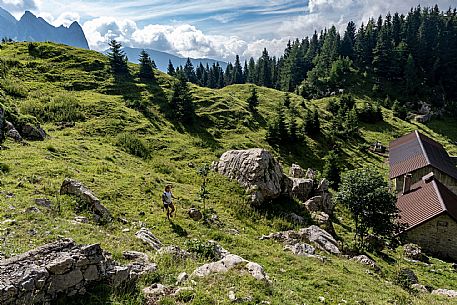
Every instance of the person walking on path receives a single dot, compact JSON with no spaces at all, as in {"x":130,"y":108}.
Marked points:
{"x":167,"y":199}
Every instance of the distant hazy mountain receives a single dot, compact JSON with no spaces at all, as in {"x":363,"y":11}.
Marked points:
{"x":161,"y":59}
{"x":33,"y":28}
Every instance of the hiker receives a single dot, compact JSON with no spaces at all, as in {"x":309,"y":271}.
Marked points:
{"x":167,"y":199}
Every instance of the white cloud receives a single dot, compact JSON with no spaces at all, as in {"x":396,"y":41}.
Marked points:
{"x":18,"y":5}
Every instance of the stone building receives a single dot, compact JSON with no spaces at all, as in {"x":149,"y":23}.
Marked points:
{"x":425,"y":180}
{"x":414,"y":155}
{"x":429,"y":209}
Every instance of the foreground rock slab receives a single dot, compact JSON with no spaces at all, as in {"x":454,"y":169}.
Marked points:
{"x":148,"y":238}
{"x":62,"y":268}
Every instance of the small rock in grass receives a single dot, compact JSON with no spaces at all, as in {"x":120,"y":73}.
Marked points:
{"x":232,"y":296}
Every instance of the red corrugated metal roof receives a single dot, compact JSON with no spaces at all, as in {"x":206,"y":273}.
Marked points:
{"x":414,"y":151}
{"x":425,"y":201}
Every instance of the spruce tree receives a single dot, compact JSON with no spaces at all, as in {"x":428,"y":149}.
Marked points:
{"x":331,"y":169}
{"x":237,"y":74}
{"x":146,"y":68}
{"x":253,"y":100}
{"x":411,"y":79}
{"x":189,"y":72}
{"x":181,"y":101}
{"x":171,"y":69}
{"x":117,"y":58}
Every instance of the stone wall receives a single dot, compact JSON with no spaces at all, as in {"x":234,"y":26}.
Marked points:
{"x":437,"y":236}
{"x":417,"y":175}
{"x":60,"y":268}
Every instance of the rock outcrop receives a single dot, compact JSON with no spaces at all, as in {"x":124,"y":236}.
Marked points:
{"x":255,"y":169}
{"x":365,"y":260}
{"x":296,"y":171}
{"x":76,"y":188}
{"x":299,"y":188}
{"x":313,"y":234}
{"x":11,"y":132}
{"x":62,"y":268}
{"x":445,"y":292}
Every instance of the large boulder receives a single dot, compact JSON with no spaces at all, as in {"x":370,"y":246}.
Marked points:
{"x":41,"y":275}
{"x":76,"y":188}
{"x":148,"y":238}
{"x":255,"y":169}
{"x":320,"y":203}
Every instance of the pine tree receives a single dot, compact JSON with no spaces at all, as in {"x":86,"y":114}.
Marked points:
{"x":410,"y":75}
{"x":331,"y":169}
{"x":146,"y":68}
{"x":171,"y":69}
{"x":253,"y":100}
{"x":347,"y":45}
{"x":117,"y":58}
{"x":181,"y":101}
{"x":252,"y":76}
{"x":237,"y":74}
{"x":189,"y":72}
{"x":264,"y":70}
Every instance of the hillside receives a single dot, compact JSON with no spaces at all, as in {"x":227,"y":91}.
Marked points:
{"x":61,"y":83}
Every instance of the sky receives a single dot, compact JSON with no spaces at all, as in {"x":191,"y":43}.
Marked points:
{"x":211,"y":29}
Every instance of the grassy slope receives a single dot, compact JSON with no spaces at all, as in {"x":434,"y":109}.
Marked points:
{"x":128,"y":185}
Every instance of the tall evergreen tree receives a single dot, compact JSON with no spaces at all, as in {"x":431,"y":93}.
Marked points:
{"x":146,"y":68}
{"x":237,"y":74}
{"x":171,"y":69}
{"x":189,"y":72}
{"x":411,"y":75}
{"x":253,"y":100}
{"x":347,"y":45}
{"x":117,"y":58}
{"x":181,"y":101}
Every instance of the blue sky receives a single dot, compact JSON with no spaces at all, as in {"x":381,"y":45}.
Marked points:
{"x":205,"y":28}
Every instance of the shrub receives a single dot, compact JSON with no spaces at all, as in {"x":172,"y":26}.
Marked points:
{"x":204,"y":249}
{"x":4,"y":168}
{"x":133,"y":145}
{"x":13,"y":88}
{"x":62,"y":108}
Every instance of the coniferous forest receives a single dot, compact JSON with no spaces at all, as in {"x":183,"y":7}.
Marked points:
{"x":400,"y":57}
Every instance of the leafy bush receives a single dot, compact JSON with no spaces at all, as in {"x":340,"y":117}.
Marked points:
{"x":134,"y":146}
{"x":4,"y":168}
{"x":13,"y":88}
{"x":62,"y":108}
{"x":370,"y":113}
{"x":204,"y":249}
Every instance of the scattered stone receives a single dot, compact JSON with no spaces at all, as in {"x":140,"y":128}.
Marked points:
{"x":126,"y":230}
{"x":43,"y":202}
{"x":323,"y":186}
{"x":32,"y":210}
{"x":321,"y":299}
{"x":365,"y":260}
{"x":419,"y":288}
{"x":182,"y":277}
{"x":414,"y":252}
{"x":322,"y":203}
{"x":123,"y":220}
{"x":148,"y":238}
{"x":219,"y":251}
{"x":195,"y":214}
{"x":233,"y":231}
{"x":297,"y":219}
{"x":33,"y":133}
{"x":231,"y":261}
{"x":232,"y":296}
{"x":299,"y":188}
{"x":310,"y":174}
{"x":175,"y":251}
{"x":12,"y":132}
{"x":181,"y":290}
{"x":135,"y":256}
{"x":321,"y":238}
{"x":296,"y":171}
{"x":76,"y":188}
{"x":81,"y":219}
{"x":155,"y":290}
{"x":445,"y":292}
{"x":191,"y":165}
{"x":255,"y":169}
{"x":301,"y":249}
